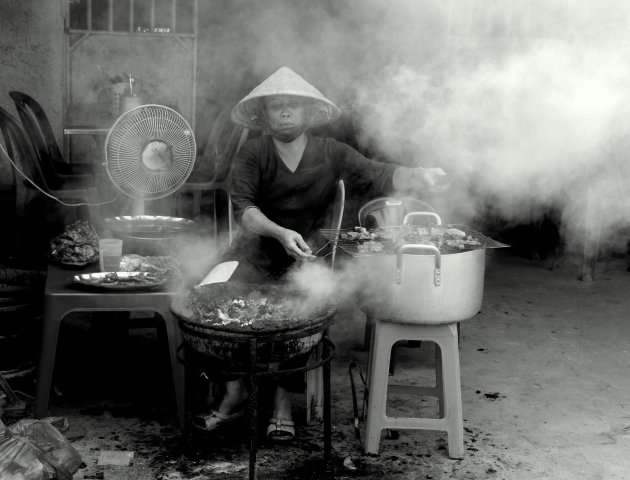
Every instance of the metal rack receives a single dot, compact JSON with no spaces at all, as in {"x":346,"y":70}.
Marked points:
{"x":112,"y":20}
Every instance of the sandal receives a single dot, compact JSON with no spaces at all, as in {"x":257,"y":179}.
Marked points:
{"x":280,"y":430}
{"x":214,"y":419}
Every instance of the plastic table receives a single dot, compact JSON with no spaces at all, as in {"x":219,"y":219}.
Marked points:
{"x":62,"y":298}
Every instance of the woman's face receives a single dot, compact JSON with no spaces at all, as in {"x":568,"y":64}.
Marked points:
{"x":285,"y":111}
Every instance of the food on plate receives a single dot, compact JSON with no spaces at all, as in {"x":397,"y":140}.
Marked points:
{"x":113,"y":278}
{"x":162,"y":267}
{"x":121,"y":280}
{"x":158,"y":264}
{"x":77,"y":245}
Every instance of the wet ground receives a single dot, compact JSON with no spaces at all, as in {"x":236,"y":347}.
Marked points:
{"x":545,"y":390}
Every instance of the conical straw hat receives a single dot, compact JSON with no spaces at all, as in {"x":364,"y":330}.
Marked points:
{"x":284,"y":82}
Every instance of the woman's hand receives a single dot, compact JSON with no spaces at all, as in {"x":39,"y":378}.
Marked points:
{"x":432,"y":179}
{"x":294,"y":244}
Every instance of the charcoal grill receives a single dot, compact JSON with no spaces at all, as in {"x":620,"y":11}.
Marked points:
{"x":275,"y":342}
{"x":255,"y":352}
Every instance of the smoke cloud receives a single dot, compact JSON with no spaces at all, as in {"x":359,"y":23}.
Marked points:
{"x":523,"y":104}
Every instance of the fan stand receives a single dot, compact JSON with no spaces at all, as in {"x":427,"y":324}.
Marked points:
{"x":137,"y":207}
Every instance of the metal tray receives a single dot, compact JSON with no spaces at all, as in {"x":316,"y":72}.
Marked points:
{"x":127,"y":281}
{"x":386,"y":236}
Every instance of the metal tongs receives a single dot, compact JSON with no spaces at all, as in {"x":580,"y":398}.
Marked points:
{"x":392,"y":434}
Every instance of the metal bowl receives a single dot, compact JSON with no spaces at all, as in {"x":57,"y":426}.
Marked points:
{"x":148,"y":234}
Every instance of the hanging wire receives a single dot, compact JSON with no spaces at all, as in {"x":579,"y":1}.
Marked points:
{"x":80,"y":204}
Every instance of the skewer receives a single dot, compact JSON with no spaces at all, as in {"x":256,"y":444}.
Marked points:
{"x":325,"y":245}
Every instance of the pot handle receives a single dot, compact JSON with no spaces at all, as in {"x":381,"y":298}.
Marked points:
{"x":419,"y":248}
{"x":409,"y":215}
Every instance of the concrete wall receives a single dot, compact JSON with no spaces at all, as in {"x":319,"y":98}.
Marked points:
{"x":335,"y":45}
{"x":31,"y":53}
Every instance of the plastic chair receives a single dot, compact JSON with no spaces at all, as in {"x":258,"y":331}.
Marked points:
{"x":23,"y":157}
{"x":315,"y":378}
{"x":213,"y":172}
{"x":42,"y":138}
{"x":387,"y":212}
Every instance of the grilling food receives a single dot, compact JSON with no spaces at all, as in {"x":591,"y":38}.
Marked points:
{"x":359,"y":233}
{"x":377,"y":241}
{"x":441,"y":237}
{"x":250,"y":306}
{"x":77,"y":245}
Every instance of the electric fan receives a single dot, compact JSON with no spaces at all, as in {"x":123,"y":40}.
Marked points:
{"x":149,"y":153}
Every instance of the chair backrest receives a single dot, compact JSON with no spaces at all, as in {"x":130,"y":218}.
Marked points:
{"x":37,"y":127}
{"x":223,"y":142}
{"x":390,"y":211}
{"x":221,"y":124}
{"x":337,"y":220}
{"x":20,"y":151}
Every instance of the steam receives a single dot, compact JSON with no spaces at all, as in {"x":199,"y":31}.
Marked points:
{"x":536,"y":129}
{"x":197,"y":254}
{"x":524,"y":104}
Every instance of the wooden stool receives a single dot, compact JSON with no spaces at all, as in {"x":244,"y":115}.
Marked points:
{"x":447,"y":388}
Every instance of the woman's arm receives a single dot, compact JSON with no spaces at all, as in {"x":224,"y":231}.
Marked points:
{"x":257,"y":222}
{"x":382,"y":177}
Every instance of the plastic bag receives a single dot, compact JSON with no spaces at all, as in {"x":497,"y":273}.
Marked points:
{"x":36,"y":450}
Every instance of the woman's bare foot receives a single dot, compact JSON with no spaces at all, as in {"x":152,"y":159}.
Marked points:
{"x":235,"y":395}
{"x":282,"y":404}
{"x":281,"y":427}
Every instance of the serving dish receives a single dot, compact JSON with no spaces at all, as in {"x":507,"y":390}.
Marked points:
{"x":124,"y":281}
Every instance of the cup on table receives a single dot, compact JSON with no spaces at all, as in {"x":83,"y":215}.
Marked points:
{"x":109,"y":254}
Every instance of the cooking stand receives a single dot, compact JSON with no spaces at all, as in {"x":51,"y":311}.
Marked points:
{"x":252,"y":371}
{"x":60,"y":299}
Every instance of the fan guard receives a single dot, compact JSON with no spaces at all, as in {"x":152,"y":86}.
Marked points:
{"x":150,"y":152}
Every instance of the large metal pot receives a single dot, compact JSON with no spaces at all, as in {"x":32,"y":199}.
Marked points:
{"x":421,"y":285}
{"x":274,"y":342}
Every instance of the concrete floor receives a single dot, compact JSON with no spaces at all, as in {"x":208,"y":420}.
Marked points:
{"x":545,"y":390}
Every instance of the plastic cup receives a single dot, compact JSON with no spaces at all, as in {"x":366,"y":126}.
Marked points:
{"x":109,"y":254}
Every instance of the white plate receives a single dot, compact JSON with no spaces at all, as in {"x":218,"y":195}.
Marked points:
{"x":120,"y":280}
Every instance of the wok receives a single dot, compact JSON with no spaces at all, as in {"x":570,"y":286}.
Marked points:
{"x":295,"y":325}
{"x":148,"y":234}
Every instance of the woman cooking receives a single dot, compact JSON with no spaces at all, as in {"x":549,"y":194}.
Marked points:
{"x":283,"y":184}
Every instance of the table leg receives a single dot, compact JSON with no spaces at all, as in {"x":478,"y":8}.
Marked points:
{"x":327,"y":408}
{"x":178,"y":369}
{"x":53,"y":314}
{"x":253,"y":409}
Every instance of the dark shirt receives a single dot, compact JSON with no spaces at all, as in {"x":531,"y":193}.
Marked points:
{"x":299,"y":200}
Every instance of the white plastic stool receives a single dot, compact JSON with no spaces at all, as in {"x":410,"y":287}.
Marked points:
{"x":447,"y":388}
